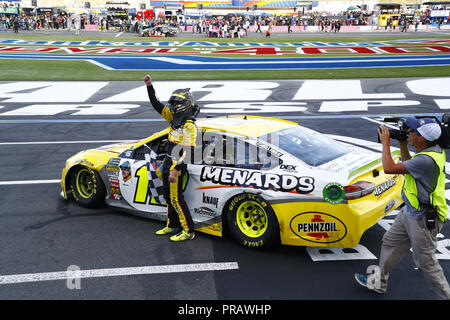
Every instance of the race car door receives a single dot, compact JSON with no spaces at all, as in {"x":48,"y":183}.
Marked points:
{"x":139,"y":179}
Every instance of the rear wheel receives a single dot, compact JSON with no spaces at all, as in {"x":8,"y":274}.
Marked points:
{"x":252,"y":221}
{"x":87,"y":187}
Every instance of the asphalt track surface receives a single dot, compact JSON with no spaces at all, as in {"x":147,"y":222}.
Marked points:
{"x":41,"y":233}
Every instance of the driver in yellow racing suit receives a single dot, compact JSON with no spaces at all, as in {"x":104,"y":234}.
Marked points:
{"x":180,"y":113}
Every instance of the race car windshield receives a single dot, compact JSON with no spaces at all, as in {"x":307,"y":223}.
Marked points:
{"x":309,"y":146}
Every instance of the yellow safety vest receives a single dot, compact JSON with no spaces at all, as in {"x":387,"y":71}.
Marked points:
{"x":437,"y":197}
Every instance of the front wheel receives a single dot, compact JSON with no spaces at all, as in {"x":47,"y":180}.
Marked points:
{"x":252,"y":221}
{"x":87,"y":187}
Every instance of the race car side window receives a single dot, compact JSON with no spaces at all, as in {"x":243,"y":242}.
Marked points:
{"x":158,"y":145}
{"x":250,"y":156}
{"x":216,"y":150}
{"x":227,"y":151}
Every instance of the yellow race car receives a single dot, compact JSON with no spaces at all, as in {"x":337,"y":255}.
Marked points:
{"x":266,"y":180}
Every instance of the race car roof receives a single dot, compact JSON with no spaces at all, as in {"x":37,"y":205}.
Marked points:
{"x":244,"y":125}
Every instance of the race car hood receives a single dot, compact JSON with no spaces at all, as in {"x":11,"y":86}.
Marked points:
{"x":117,"y":147}
{"x":98,"y":157}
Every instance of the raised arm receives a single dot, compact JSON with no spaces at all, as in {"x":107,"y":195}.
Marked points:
{"x":159,"y":107}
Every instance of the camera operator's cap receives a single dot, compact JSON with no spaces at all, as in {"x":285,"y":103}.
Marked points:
{"x":426,"y":127}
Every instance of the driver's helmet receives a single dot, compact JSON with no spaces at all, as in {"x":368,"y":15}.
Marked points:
{"x":181,"y":105}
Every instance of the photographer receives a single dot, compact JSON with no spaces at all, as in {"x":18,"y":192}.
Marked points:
{"x":425,"y":210}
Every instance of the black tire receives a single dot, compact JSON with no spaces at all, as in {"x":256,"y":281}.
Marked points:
{"x":87,"y":187}
{"x":252,"y":221}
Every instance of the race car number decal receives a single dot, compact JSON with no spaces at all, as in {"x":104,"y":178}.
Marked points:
{"x":318,"y":227}
{"x":257,"y":180}
{"x":141,"y":193}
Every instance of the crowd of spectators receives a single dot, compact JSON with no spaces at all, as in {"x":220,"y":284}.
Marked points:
{"x":75,"y":22}
{"x":231,"y":25}
{"x":238,"y":25}
{"x":33,"y":22}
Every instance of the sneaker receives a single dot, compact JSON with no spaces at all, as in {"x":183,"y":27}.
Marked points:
{"x":362,"y":280}
{"x":182,"y":236}
{"x":165,"y":230}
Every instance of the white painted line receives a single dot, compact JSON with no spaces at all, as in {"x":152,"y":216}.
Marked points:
{"x":115,"y":272}
{"x":183,"y":61}
{"x":64,"y":142}
{"x":101,"y":65}
{"x":386,"y":124}
{"x":20,"y":182}
{"x":338,"y":254}
{"x":118,"y":35}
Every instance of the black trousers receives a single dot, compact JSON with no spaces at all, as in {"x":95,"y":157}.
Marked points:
{"x":178,"y":215}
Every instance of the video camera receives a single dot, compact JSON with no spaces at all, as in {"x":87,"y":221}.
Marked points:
{"x":401,"y":132}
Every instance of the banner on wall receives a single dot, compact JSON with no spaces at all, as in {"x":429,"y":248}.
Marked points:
{"x":9,"y":10}
{"x":192,"y":4}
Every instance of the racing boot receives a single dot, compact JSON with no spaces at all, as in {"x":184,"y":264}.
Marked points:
{"x":182,"y":236}
{"x":166,"y":230}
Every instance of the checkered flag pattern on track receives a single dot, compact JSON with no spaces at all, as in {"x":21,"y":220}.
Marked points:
{"x":155,"y":184}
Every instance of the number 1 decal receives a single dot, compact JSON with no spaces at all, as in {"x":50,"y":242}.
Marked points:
{"x":141,"y":193}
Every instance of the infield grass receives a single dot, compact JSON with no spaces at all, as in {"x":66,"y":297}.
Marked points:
{"x":20,"y":70}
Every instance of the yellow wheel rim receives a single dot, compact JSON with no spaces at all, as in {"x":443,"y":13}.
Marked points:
{"x":85,"y":184}
{"x":252,"y":219}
